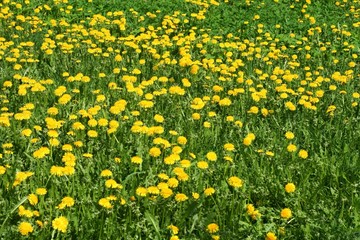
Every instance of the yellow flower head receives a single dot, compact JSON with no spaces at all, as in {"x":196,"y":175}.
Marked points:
{"x":229,"y":147}
{"x":202,"y":165}
{"x":66,"y":202}
{"x":33,"y":199}
{"x":182,"y":140}
{"x":289,"y":135}
{"x":41,"y":191}
{"x":136,"y":160}
{"x":105,"y":203}
{"x":235,"y":182}
{"x":291,"y":148}
{"x":303,"y":154}
{"x":106,"y":173}
{"x":166,"y":192}
{"x":286,"y":213}
{"x":211,"y":156}
{"x":60,"y":224}
{"x":25,"y":228}
{"x":212,"y":228}
{"x":180,"y":197}
{"x":270,"y":236}
{"x":209,"y":191}
{"x":141,"y":191}
{"x":290,"y":187}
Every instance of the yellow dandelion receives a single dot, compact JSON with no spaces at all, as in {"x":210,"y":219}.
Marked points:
{"x":212,"y":228}
{"x":33,"y":199}
{"x":303,"y":154}
{"x":166,"y":192}
{"x":141,"y":191}
{"x":155,"y":152}
{"x":229,"y":147}
{"x":291,"y":148}
{"x":270,"y":236}
{"x":153,"y":190}
{"x":289,"y":135}
{"x":174,"y":229}
{"x":286,"y":213}
{"x":111,"y":183}
{"x":173,"y":182}
{"x":60,"y":224}
{"x":211,"y":156}
{"x":41,"y":191}
{"x":136,"y":160}
{"x":66,"y":202}
{"x":202,"y":165}
{"x":182,"y":140}
{"x":25,"y":228}
{"x":209,"y":191}
{"x":105,"y":203}
{"x":235,"y":182}
{"x":180,"y":197}
{"x":290,"y":187}
{"x":106,"y":173}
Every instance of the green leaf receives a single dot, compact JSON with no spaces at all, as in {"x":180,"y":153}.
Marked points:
{"x":149,"y":217}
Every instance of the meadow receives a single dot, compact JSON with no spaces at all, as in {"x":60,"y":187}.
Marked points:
{"x":182,"y":119}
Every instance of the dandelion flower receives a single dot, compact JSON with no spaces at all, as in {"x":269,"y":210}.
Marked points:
{"x":182,"y":140}
{"x":25,"y":228}
{"x":195,"y":195}
{"x":211,"y":156}
{"x":33,"y":199}
{"x":26,"y":132}
{"x":289,"y":135}
{"x":303,"y":154}
{"x":185,"y":163}
{"x":2,"y":170}
{"x":92,"y":133}
{"x":166,"y":192}
{"x":286,"y":213}
{"x":253,"y":110}
{"x":173,"y":182}
{"x":229,"y":147}
{"x":235,"y":182}
{"x":174,"y":229}
{"x":158,"y":118}
{"x":106,"y":173}
{"x":153,"y":190}
{"x":196,"y":116}
{"x":60,"y":224}
{"x":105,"y":203}
{"x":291,"y":148}
{"x":180,"y":197}
{"x":290,"y":187}
{"x":136,"y":160}
{"x":270,"y":236}
{"x":155,"y":152}
{"x":202,"y":165}
{"x":163,"y":176}
{"x":41,"y":191}
{"x":290,"y":106}
{"x":41,"y":152}
{"x":212,"y":228}
{"x":209,"y":191}
{"x":39,"y":223}
{"x":66,"y":202}
{"x":141,"y":191}
{"x":247,"y":141}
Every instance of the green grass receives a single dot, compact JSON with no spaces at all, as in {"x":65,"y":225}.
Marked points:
{"x":257,"y":54}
